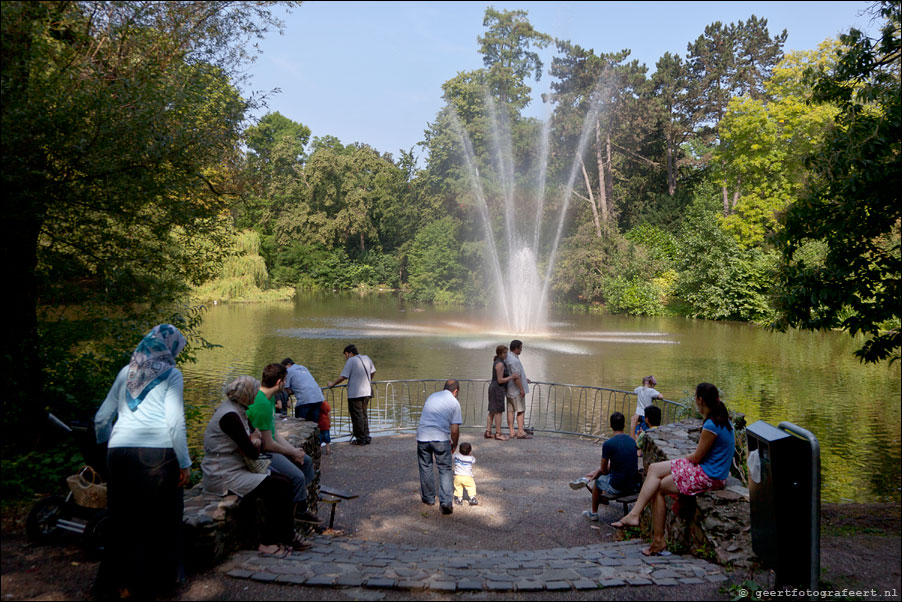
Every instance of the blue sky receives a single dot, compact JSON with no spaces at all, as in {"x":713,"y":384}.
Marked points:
{"x":372,"y":72}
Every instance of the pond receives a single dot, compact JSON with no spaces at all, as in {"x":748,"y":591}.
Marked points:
{"x":810,"y":379}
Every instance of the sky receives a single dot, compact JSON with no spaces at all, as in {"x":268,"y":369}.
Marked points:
{"x":372,"y":72}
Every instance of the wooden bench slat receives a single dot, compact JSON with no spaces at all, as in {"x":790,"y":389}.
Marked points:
{"x":345,"y":495}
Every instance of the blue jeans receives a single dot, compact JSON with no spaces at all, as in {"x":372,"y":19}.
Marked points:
{"x":641,"y":425}
{"x":308,"y":411}
{"x":299,"y":477}
{"x":441,"y":451}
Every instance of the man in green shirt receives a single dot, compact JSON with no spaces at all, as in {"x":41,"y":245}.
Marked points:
{"x":287,"y":460}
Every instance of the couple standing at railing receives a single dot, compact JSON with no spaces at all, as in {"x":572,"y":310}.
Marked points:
{"x":509,"y":384}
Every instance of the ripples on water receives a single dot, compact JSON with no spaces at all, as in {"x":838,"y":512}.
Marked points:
{"x":810,"y":379}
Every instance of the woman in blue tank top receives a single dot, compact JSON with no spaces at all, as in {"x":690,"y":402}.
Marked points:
{"x":705,"y":469}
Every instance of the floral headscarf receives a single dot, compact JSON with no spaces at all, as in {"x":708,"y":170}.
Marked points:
{"x":152,"y":361}
{"x":242,"y":390}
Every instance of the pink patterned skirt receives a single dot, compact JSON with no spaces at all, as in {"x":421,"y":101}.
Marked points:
{"x":690,"y":479}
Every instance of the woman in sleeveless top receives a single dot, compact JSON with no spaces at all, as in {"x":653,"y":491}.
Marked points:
{"x":500,"y":377}
{"x":227,"y":441}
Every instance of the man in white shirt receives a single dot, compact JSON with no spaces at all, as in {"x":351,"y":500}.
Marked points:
{"x":358,"y":371}
{"x":437,"y":436}
{"x":517,"y":388}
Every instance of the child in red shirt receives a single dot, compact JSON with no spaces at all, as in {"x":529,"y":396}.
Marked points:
{"x":325,"y":423}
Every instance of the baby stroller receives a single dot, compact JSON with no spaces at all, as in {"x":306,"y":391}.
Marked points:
{"x":82,"y":511}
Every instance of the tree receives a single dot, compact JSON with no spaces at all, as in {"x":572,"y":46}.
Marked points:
{"x":507,"y":55}
{"x":434,"y":263}
{"x":764,"y":145}
{"x":273,"y":171}
{"x":345,"y":194}
{"x":852,"y":208}
{"x":718,"y":279}
{"x":243,"y":276}
{"x":731,"y":60}
{"x":117,"y":118}
{"x":607,"y":89}
{"x":679,"y":111}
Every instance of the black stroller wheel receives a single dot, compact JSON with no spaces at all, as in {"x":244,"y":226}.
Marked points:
{"x":42,"y":522}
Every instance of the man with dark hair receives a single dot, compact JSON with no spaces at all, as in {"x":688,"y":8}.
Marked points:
{"x":437,"y":436}
{"x":300,"y":383}
{"x":358,"y":371}
{"x":287,"y":460}
{"x":517,"y":388}
{"x":619,"y":471}
{"x":653,"y":418}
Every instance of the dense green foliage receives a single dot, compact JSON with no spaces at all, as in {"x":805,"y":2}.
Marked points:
{"x":121,"y":122}
{"x":852,"y":209}
{"x":243,"y":276}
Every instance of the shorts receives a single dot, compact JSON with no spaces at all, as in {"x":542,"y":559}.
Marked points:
{"x":603,"y":482}
{"x":641,"y":425}
{"x":325,"y":436}
{"x":690,"y":479}
{"x":516,"y":405}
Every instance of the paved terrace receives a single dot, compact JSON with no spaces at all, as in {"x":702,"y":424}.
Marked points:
{"x":526,"y":534}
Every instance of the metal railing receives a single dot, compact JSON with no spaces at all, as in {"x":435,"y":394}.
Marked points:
{"x":550,"y":407}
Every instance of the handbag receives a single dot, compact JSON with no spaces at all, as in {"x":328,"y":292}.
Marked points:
{"x":260,"y":464}
{"x":87,"y":488}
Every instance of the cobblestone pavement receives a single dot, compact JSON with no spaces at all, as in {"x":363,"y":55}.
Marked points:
{"x":345,"y":562}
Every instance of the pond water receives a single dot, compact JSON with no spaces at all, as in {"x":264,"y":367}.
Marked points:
{"x":810,"y":379}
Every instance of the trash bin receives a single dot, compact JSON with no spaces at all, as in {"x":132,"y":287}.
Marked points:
{"x":784,"y":493}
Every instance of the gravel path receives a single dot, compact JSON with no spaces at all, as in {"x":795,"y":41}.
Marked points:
{"x":524,"y":500}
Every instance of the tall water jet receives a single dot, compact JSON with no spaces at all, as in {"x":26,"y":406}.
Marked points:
{"x":520,"y":291}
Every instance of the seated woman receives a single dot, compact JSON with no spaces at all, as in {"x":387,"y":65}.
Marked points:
{"x":705,"y":469}
{"x":227,"y":441}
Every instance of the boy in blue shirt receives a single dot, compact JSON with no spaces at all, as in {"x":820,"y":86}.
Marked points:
{"x":619,"y":470}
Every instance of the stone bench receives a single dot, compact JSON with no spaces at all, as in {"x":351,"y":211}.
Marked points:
{"x":718,"y":527}
{"x":214,"y":526}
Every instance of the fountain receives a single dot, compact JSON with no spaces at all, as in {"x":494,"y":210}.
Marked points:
{"x":520,"y":290}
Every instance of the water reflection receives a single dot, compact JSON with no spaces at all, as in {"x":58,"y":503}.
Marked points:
{"x":810,"y":379}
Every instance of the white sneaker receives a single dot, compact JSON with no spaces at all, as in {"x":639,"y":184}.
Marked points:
{"x":579,"y":483}
{"x":589,"y":515}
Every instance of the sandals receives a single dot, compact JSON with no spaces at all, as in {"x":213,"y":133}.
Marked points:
{"x":500,"y":437}
{"x":280,"y":551}
{"x":650,"y":552}
{"x":524,"y":436}
{"x":488,"y":435}
{"x":619,"y":524}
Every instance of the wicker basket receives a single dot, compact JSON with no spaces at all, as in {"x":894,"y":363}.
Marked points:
{"x":87,"y":488}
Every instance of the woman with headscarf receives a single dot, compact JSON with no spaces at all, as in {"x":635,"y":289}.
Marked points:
{"x":148,"y":465}
{"x":228,"y":440}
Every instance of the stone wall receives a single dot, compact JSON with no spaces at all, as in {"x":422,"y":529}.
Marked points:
{"x":717,"y":526}
{"x":217,"y":526}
